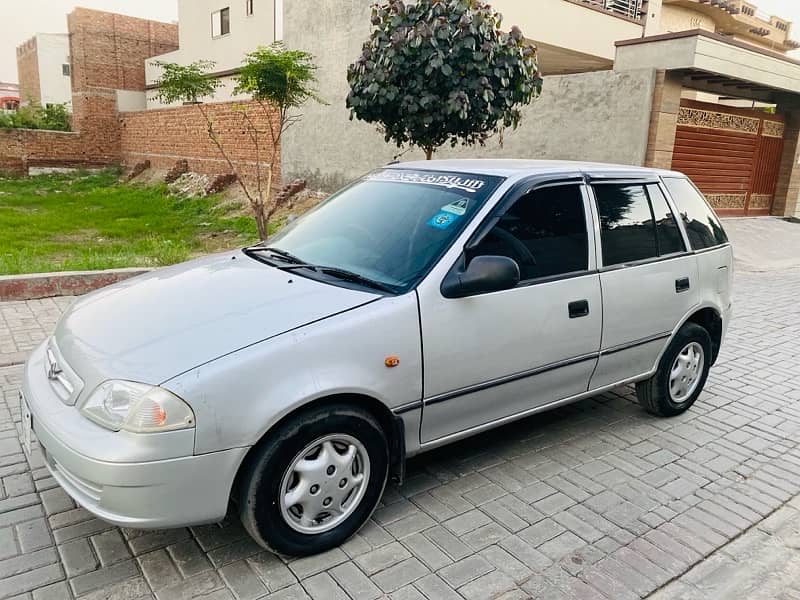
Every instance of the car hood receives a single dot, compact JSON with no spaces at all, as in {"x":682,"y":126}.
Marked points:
{"x":156,"y":326}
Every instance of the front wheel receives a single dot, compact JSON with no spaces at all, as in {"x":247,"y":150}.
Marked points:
{"x":681,"y":374}
{"x":315,"y":481}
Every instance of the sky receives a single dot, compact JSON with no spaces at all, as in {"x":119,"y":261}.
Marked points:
{"x":21,"y":19}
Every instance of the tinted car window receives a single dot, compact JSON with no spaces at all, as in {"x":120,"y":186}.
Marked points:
{"x":702,"y":226}
{"x":544,"y":231}
{"x":626,"y":224}
{"x":669,"y":236}
{"x":391,"y":226}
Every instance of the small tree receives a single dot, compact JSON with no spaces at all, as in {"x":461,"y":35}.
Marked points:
{"x":438,"y":71}
{"x":278,"y":80}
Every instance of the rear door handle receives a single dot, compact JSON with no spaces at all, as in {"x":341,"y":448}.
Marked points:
{"x":579,"y":308}
{"x":682,"y":285}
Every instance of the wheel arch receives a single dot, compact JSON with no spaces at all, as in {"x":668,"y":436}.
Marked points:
{"x":709,"y":319}
{"x":392,"y":425}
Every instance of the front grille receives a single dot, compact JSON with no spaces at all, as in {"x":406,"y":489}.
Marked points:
{"x":64,"y":381}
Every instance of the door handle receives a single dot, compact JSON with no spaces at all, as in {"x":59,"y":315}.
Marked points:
{"x":579,"y":308}
{"x":682,"y":285}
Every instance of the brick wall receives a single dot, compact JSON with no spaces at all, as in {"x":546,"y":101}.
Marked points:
{"x":166,"y":135}
{"x":107,"y":52}
{"x":24,"y":148}
{"x":28,"y":72}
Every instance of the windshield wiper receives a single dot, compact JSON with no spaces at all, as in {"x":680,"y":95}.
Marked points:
{"x":346,"y":275}
{"x":343,"y":274}
{"x":282,"y":253}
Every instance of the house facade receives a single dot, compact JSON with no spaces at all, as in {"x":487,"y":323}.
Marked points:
{"x":220,"y":31}
{"x":652,"y":83}
{"x":43,"y":66}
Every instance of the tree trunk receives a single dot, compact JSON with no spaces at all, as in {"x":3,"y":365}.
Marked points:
{"x":428,"y":153}
{"x":261,"y":223}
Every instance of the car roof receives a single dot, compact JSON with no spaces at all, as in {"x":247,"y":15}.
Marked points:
{"x":520,"y":167}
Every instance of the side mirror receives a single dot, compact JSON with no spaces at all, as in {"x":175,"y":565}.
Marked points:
{"x":484,"y":274}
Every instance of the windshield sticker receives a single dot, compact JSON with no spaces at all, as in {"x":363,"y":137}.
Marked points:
{"x":470,"y":185}
{"x":443,"y":220}
{"x":459,"y":207}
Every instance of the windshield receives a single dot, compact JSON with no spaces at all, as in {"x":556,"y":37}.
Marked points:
{"x":390,"y":227}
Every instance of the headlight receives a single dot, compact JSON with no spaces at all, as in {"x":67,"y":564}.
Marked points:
{"x":137,"y":408}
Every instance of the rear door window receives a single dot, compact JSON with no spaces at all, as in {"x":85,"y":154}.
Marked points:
{"x":627,"y":233}
{"x":702,"y":225}
{"x":670,"y":240}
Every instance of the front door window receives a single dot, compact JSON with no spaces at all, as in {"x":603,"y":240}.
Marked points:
{"x":544,"y":232}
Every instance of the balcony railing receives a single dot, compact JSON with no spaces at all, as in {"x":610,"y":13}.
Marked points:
{"x":631,"y":9}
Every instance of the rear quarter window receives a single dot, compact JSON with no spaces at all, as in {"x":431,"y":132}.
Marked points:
{"x":702,"y":225}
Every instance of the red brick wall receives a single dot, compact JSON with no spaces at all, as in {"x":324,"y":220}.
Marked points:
{"x":167,"y":135}
{"x":28,"y":72}
{"x":23,"y":148}
{"x":108,"y":52}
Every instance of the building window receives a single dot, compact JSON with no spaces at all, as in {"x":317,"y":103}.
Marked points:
{"x":221,"y":22}
{"x":248,"y":7}
{"x":65,"y":70}
{"x":748,"y":10}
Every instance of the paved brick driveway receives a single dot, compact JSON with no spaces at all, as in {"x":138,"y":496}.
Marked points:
{"x":590,"y":501}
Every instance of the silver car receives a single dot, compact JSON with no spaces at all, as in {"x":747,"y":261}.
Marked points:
{"x":424,"y":303}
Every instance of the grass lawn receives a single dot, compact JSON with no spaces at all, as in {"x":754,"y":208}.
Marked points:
{"x":89,"y":221}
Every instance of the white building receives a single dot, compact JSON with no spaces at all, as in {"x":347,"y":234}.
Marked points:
{"x":43,"y":64}
{"x":221,"y":31}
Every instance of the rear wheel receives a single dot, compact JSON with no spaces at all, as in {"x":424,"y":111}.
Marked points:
{"x":681,"y":374}
{"x":315,"y":481}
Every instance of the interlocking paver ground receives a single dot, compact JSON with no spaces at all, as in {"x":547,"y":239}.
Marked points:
{"x":594,"y":500}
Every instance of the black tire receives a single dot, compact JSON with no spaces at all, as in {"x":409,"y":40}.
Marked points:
{"x":654,"y":393}
{"x":262,"y":476}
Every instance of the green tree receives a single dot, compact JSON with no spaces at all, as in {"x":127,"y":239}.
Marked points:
{"x":278,"y":80}
{"x":439,"y":71}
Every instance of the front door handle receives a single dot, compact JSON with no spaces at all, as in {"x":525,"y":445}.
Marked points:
{"x":682,"y":285}
{"x":579,"y":308}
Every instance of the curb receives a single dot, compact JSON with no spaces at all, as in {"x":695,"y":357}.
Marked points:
{"x":68,"y":283}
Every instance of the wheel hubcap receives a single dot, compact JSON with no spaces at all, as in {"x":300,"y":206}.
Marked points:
{"x":686,"y":372}
{"x":324,"y":484}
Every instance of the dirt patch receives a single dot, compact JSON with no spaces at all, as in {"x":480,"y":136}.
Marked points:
{"x":150,"y":177}
{"x":83,"y":235}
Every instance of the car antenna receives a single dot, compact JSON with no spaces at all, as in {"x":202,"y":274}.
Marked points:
{"x":396,"y":158}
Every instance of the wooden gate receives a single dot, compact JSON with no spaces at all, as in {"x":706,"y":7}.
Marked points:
{"x":732,"y":154}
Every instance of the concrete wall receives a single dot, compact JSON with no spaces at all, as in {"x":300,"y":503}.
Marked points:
{"x":53,"y":51}
{"x":679,"y":18}
{"x":224,"y":93}
{"x":600,"y":116}
{"x":565,"y":25}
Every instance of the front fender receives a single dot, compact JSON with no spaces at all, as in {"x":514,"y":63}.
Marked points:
{"x":239,"y":397}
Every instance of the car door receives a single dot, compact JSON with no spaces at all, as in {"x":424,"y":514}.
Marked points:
{"x":648,"y":279}
{"x":492,"y":356}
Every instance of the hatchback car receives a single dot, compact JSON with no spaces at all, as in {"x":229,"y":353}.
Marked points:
{"x":424,"y":303}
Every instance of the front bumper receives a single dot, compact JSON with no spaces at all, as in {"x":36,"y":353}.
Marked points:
{"x":171,"y":492}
